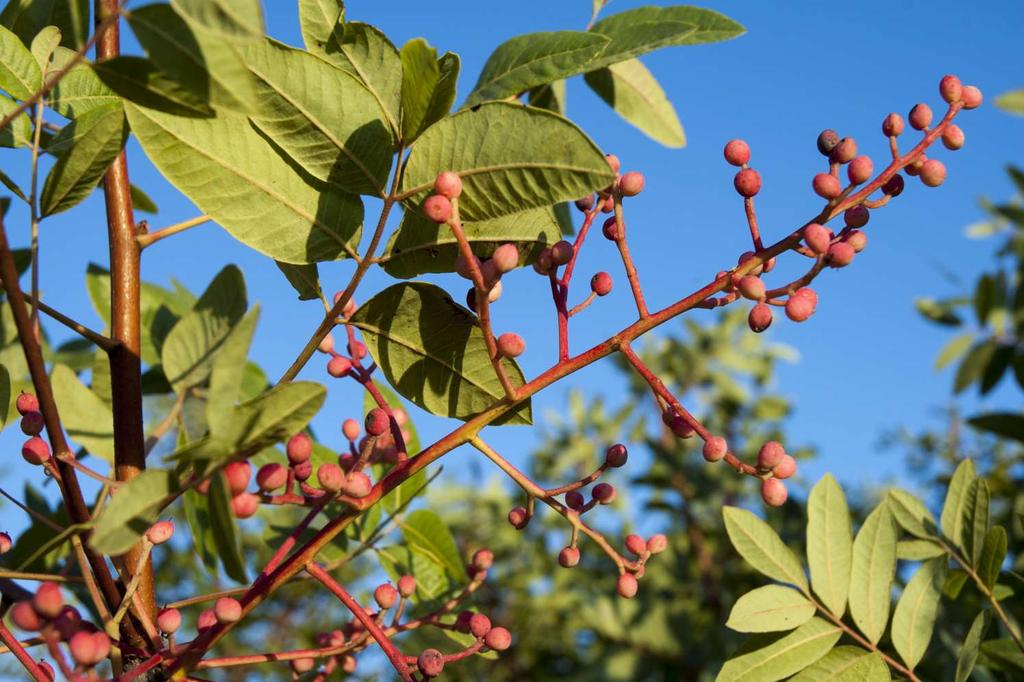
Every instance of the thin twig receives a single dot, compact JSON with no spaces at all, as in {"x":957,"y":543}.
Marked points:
{"x":150,"y":238}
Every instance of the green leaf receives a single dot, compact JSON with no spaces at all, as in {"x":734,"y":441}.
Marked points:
{"x":1002,"y":424}
{"x":201,"y":61}
{"x":846,"y":664}
{"x":432,"y":351}
{"x":973,"y":364}
{"x":365,"y":52}
{"x":9,"y":184}
{"x":420,"y":245}
{"x":27,"y":17}
{"x":762,"y":548}
{"x":197,"y":514}
{"x":224,"y":530}
{"x":94,"y":140}
{"x":425,"y":534}
{"x":918,"y":550}
{"x":227,"y":371}
{"x":969,"y":651}
{"x":132,"y":510}
{"x":87,"y":419}
{"x":305,"y":279}
{"x":951,"y":521}
{"x":992,"y":556}
{"x":20,"y":74}
{"x":1012,"y":102}
{"x":1005,"y":653}
{"x":955,"y":581}
{"x":5,"y":395}
{"x":138,"y":81}
{"x":939,"y":312}
{"x":233,"y":175}
{"x":911,"y":514}
{"x":534,"y":59}
{"x":769,"y":609}
{"x":79,"y":90}
{"x":322,"y":117}
{"x":975,"y":521}
{"x":273,"y":416}
{"x":238,"y":20}
{"x":550,"y":96}
{"x":644,"y":29}
{"x":785,"y":656}
{"x":142,"y":201}
{"x":872,"y":573}
{"x":18,"y":132}
{"x":635,"y":95}
{"x":955,"y":348}
{"x":551,"y":160}
{"x":829,"y":543}
{"x":317,"y":19}
{"x":984,"y":298}
{"x":914,"y":618}
{"x":995,"y":368}
{"x":43,"y":46}
{"x":428,"y":87}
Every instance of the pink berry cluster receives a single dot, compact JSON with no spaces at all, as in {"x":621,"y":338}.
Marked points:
{"x":59,"y":623}
{"x":774,"y":465}
{"x":35,"y":450}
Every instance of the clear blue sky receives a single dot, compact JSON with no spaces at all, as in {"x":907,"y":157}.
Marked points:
{"x":866,"y":357}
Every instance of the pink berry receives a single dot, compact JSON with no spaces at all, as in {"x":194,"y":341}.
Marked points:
{"x":751,"y":287}
{"x":377,"y":422}
{"x":892,"y":126}
{"x":785,"y":468}
{"x":330,"y":477}
{"x":857,"y":239}
{"x":350,"y":429}
{"x":773,"y":492}
{"x":5,"y":543}
{"x":326,"y":344}
{"x":894,"y":185}
{"x":35,"y":451}
{"x":770,"y":454}
{"x":826,"y":186}
{"x":601,"y":284}
{"x":498,"y":639}
{"x":627,"y":586}
{"x":840,"y":255}
{"x":561,"y":252}
{"x":385,"y":595}
{"x":760,"y":318}
{"x":933,"y":173}
{"x":271,"y":476}
{"x":680,"y":427}
{"x":511,"y":345}
{"x":207,"y":619}
{"x":827,"y":141}
{"x":339,"y":366}
{"x":303,"y":665}
{"x":462,"y":266}
{"x":406,"y":586}
{"x":636,"y":544}
{"x":603,"y":493}
{"x":26,"y":402}
{"x":68,"y":622}
{"x":357,"y":485}
{"x":614,"y":162}
{"x":715,"y":448}
{"x":430,"y":663}
{"x":737,"y":152}
{"x":160,"y":532}
{"x":448,"y":184}
{"x":168,"y":620}
{"x":483,"y":559}
{"x":807,"y":292}
{"x":574,"y":500}
{"x":610,"y":229}
{"x":856,"y":216}
{"x":616,"y":455}
{"x":48,"y":600}
{"x":299,"y":448}
{"x":25,"y":617}
{"x":479,"y":625}
{"x":860,"y":170}
{"x":845,"y":151}
{"x":631,"y":184}
{"x":953,"y":137}
{"x":585,"y":204}
{"x":568,"y":557}
{"x":971,"y":97}
{"x":245,"y":505}
{"x":914,"y":168}
{"x":517,"y":517}
{"x":505,"y":258}
{"x":656,"y":544}
{"x":608,"y":205}
{"x":302,"y":470}
{"x":920,"y":116}
{"x":799,"y":308}
{"x":32,"y":424}
{"x":818,"y":238}
{"x":951,"y":88}
{"x":237,"y":475}
{"x":747,"y":182}
{"x":83,"y":649}
{"x":437,"y":208}
{"x":227,"y":610}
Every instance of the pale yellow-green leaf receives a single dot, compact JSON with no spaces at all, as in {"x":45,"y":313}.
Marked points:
{"x":784,"y":657}
{"x":87,"y":419}
{"x":914,"y":618}
{"x":635,"y":95}
{"x":829,"y":543}
{"x":872,"y":573}
{"x":762,"y":548}
{"x":769,"y":609}
{"x":846,"y":664}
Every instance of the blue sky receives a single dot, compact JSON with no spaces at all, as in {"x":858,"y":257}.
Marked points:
{"x":866,"y":358}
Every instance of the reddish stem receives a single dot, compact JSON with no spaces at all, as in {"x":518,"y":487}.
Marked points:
{"x":23,"y":656}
